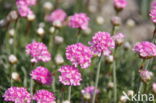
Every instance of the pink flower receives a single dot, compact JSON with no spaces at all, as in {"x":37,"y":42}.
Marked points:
{"x":79,"y":20}
{"x":57,"y":16}
{"x":153,"y":15}
{"x":90,"y":90}
{"x":154,"y":87}
{"x":70,"y":75}
{"x":145,"y":49}
{"x":38,"y":51}
{"x":119,"y":38}
{"x":102,"y":42}
{"x":17,"y":95}
{"x":153,"y":4}
{"x":79,"y":54}
{"x":120,"y":4}
{"x":146,"y":75}
{"x":44,"y":96}
{"x":23,"y":7}
{"x":42,"y":75}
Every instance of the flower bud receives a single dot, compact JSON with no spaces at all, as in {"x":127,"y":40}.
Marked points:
{"x":130,"y":23}
{"x":12,"y":16}
{"x":127,"y":46}
{"x":87,"y":96}
{"x":52,"y":29}
{"x":48,"y":6}
{"x":15,"y":76}
{"x":123,"y":99}
{"x":119,"y":39}
{"x":130,"y":92}
{"x":57,"y":24}
{"x":116,"y":21}
{"x":13,"y":59}
{"x":109,"y":59}
{"x":40,"y":31}
{"x":145,"y":75}
{"x":154,"y":87}
{"x":100,"y":20}
{"x":31,"y":17}
{"x":59,"y":59}
{"x":11,"y":41}
{"x":110,"y":85}
{"x":66,"y":101}
{"x":58,"y":39}
{"x":87,"y":31}
{"x":11,"y":32}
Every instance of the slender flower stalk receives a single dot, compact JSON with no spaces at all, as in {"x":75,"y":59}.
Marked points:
{"x":69,"y":93}
{"x":78,"y":35}
{"x":97,"y":77}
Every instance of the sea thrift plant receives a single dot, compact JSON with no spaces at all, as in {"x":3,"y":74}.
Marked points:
{"x":90,"y":90}
{"x":145,"y":49}
{"x":79,"y":54}
{"x":38,"y":51}
{"x":153,"y":14}
{"x":102,"y":42}
{"x":17,"y":95}
{"x":119,"y":38}
{"x":120,"y":4}
{"x":42,"y":75}
{"x":154,"y":87}
{"x":145,"y":75}
{"x":70,"y":75}
{"x":153,"y":4}
{"x":57,"y":16}
{"x":79,"y":20}
{"x":44,"y":96}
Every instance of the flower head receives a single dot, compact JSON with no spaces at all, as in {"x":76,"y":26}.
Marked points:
{"x":154,"y":87}
{"x":42,"y":75}
{"x":119,"y":38}
{"x":38,"y":51}
{"x":145,"y":49}
{"x":153,"y":4}
{"x":79,"y":20}
{"x":90,"y":90}
{"x":153,"y":14}
{"x":17,"y":95}
{"x":57,"y":15}
{"x":79,"y":54}
{"x":145,"y":75}
{"x":102,"y":42}
{"x":120,"y":4}
{"x":70,"y":75}
{"x":44,"y":96}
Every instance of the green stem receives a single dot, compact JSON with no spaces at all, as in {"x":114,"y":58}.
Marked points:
{"x":31,"y":86}
{"x":53,"y":85}
{"x":97,"y":77}
{"x":115,"y":82}
{"x":69,"y":93}
{"x":78,"y":35}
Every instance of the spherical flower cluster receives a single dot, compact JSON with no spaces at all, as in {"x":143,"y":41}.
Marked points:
{"x":79,"y":54}
{"x":145,"y":75}
{"x":44,"y":96}
{"x":17,"y":95}
{"x":120,"y":4}
{"x":38,"y":51}
{"x":70,"y":75}
{"x":102,"y":42}
{"x":42,"y":75}
{"x":145,"y":49}
{"x":153,"y":12}
{"x":153,"y":4}
{"x":119,"y":38}
{"x":57,"y":16}
{"x":79,"y":20}
{"x":24,"y":7}
{"x":90,"y":90}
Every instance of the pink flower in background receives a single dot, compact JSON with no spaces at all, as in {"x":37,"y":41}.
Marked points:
{"x":79,"y":20}
{"x":57,"y":16}
{"x":120,"y":4}
{"x":17,"y":95}
{"x":79,"y":54}
{"x":119,"y":38}
{"x":153,"y":4}
{"x":44,"y":96}
{"x":153,"y":15}
{"x":90,"y":90}
{"x":42,"y":75}
{"x":154,"y":87}
{"x":145,"y":49}
{"x":31,"y":2}
{"x":70,"y":75}
{"x":102,"y":42}
{"x":38,"y":51}
{"x":145,"y":75}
